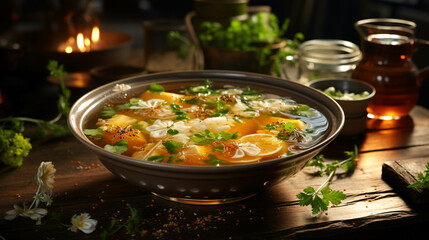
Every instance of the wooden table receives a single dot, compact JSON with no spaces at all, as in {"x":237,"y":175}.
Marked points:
{"x":372,"y":210}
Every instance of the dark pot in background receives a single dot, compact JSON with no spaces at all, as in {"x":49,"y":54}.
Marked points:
{"x":240,"y":60}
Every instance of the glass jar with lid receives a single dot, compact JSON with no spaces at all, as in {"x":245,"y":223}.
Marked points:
{"x":322,"y":58}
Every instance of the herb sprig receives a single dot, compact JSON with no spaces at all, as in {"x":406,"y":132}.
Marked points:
{"x":319,"y":199}
{"x":131,"y":225}
{"x":13,"y":146}
{"x":423,"y":179}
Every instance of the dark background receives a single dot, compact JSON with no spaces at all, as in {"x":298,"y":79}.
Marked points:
{"x":316,"y":19}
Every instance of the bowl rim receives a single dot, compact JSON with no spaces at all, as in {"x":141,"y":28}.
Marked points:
{"x":77,"y":131}
{"x":371,"y":94}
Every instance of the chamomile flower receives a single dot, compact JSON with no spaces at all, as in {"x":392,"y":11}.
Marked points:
{"x":121,"y":87}
{"x":153,"y":108}
{"x":159,"y":128}
{"x":14,"y":213}
{"x":45,"y":176}
{"x":246,"y":148}
{"x":35,"y":214}
{"x":83,"y":222}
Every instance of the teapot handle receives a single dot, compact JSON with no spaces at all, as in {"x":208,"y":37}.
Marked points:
{"x":422,"y":74}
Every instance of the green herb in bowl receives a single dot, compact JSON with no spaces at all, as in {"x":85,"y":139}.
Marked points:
{"x":345,"y":95}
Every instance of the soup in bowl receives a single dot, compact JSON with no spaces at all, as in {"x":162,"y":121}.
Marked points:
{"x":205,"y":137}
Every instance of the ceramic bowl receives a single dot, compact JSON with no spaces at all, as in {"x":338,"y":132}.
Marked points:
{"x":354,"y":110}
{"x":206,"y":184}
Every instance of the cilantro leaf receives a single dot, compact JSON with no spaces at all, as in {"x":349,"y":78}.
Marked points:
{"x":108,"y":112}
{"x":207,"y":137}
{"x":333,"y":196}
{"x":204,"y":138}
{"x":156,"y":88}
{"x":93,"y":132}
{"x":249,"y":91}
{"x":319,"y":200}
{"x":215,"y":161}
{"x":118,"y":147}
{"x":175,"y":107}
{"x":423,"y":179}
{"x":156,"y":158}
{"x":192,"y":101}
{"x":172,"y":146}
{"x":172,"y":131}
{"x":271,"y":127}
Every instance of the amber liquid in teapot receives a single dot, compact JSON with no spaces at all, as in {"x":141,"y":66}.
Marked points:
{"x":387,"y":65}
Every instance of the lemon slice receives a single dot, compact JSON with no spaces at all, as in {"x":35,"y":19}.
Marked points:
{"x":269,"y":144}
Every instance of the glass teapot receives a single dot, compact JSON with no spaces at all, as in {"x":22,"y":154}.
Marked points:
{"x":388,"y":45}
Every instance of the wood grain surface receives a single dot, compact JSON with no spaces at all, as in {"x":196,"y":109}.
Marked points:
{"x":373,"y":209}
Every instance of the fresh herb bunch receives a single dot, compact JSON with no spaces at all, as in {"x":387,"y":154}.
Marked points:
{"x":319,"y":199}
{"x":261,"y":29}
{"x":423,"y":181}
{"x":180,"y":43}
{"x":256,"y":35}
{"x":14,"y":147}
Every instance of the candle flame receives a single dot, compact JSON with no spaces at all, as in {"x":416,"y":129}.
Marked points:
{"x":80,"y":42}
{"x":68,"y":49}
{"x":95,"y":36}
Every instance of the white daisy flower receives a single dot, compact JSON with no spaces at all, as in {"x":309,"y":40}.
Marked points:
{"x":83,"y":222}
{"x":154,"y":108}
{"x":35,"y":214}
{"x":45,"y":176}
{"x":159,"y":128}
{"x":14,"y":213}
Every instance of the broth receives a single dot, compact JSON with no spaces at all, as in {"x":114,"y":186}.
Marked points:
{"x":201,"y":125}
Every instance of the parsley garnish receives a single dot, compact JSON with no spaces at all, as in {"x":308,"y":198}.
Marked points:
{"x":138,"y":126}
{"x":108,"y":112}
{"x":319,"y":199}
{"x":271,"y":126}
{"x":249,"y":91}
{"x":303,"y":110}
{"x":93,"y":132}
{"x":118,"y":147}
{"x":220,"y":108}
{"x":172,"y":131}
{"x":192,"y":101}
{"x":215,"y":161}
{"x":156,"y":158}
{"x":172,"y":146}
{"x":206,"y":88}
{"x":207,"y":137}
{"x":175,"y":107}
{"x":236,"y":119}
{"x":423,"y":181}
{"x":156,"y":88}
